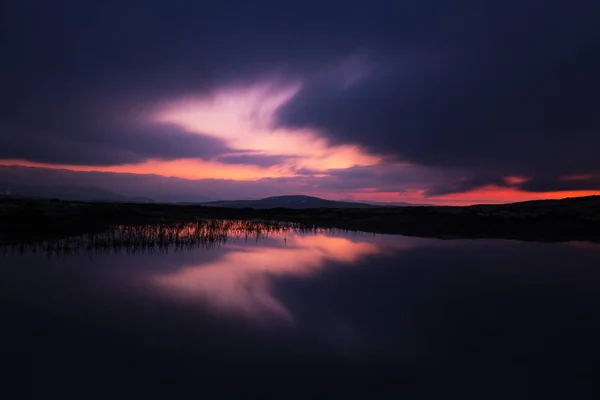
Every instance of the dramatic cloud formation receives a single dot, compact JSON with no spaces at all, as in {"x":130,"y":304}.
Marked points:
{"x":516,"y":97}
{"x":431,"y":101}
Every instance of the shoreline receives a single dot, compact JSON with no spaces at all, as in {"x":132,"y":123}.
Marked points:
{"x":28,"y":220}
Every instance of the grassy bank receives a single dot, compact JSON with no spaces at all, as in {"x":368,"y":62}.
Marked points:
{"x":26,"y":220}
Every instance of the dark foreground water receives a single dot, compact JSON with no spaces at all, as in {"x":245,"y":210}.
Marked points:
{"x":362,"y":315}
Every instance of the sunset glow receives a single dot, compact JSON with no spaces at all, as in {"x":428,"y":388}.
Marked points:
{"x":182,"y":168}
{"x":415,"y":110}
{"x":300,"y":199}
{"x":245,"y":119}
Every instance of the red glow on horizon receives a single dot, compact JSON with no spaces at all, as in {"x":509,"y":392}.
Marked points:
{"x":198,"y":170}
{"x":485,"y":195}
{"x":496,"y":195}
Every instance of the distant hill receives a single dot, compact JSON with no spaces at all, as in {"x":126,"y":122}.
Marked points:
{"x":66,"y":193}
{"x":297,"y":202}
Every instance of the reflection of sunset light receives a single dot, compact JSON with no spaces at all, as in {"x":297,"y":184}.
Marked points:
{"x":245,"y":119}
{"x":241,"y":283}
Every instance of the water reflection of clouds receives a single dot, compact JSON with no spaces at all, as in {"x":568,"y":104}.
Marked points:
{"x":241,"y":281}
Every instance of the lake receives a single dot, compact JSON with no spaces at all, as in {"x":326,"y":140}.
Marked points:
{"x":284,"y":311}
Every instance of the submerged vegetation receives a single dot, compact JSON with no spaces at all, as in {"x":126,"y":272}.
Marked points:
{"x":35,"y":220}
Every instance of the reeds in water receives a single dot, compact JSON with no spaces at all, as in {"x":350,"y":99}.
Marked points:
{"x":205,"y":233}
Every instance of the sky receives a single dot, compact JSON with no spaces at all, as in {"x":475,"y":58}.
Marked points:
{"x":429,"y":101}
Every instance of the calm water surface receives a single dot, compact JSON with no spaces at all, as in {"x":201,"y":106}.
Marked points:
{"x":293,"y":313}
